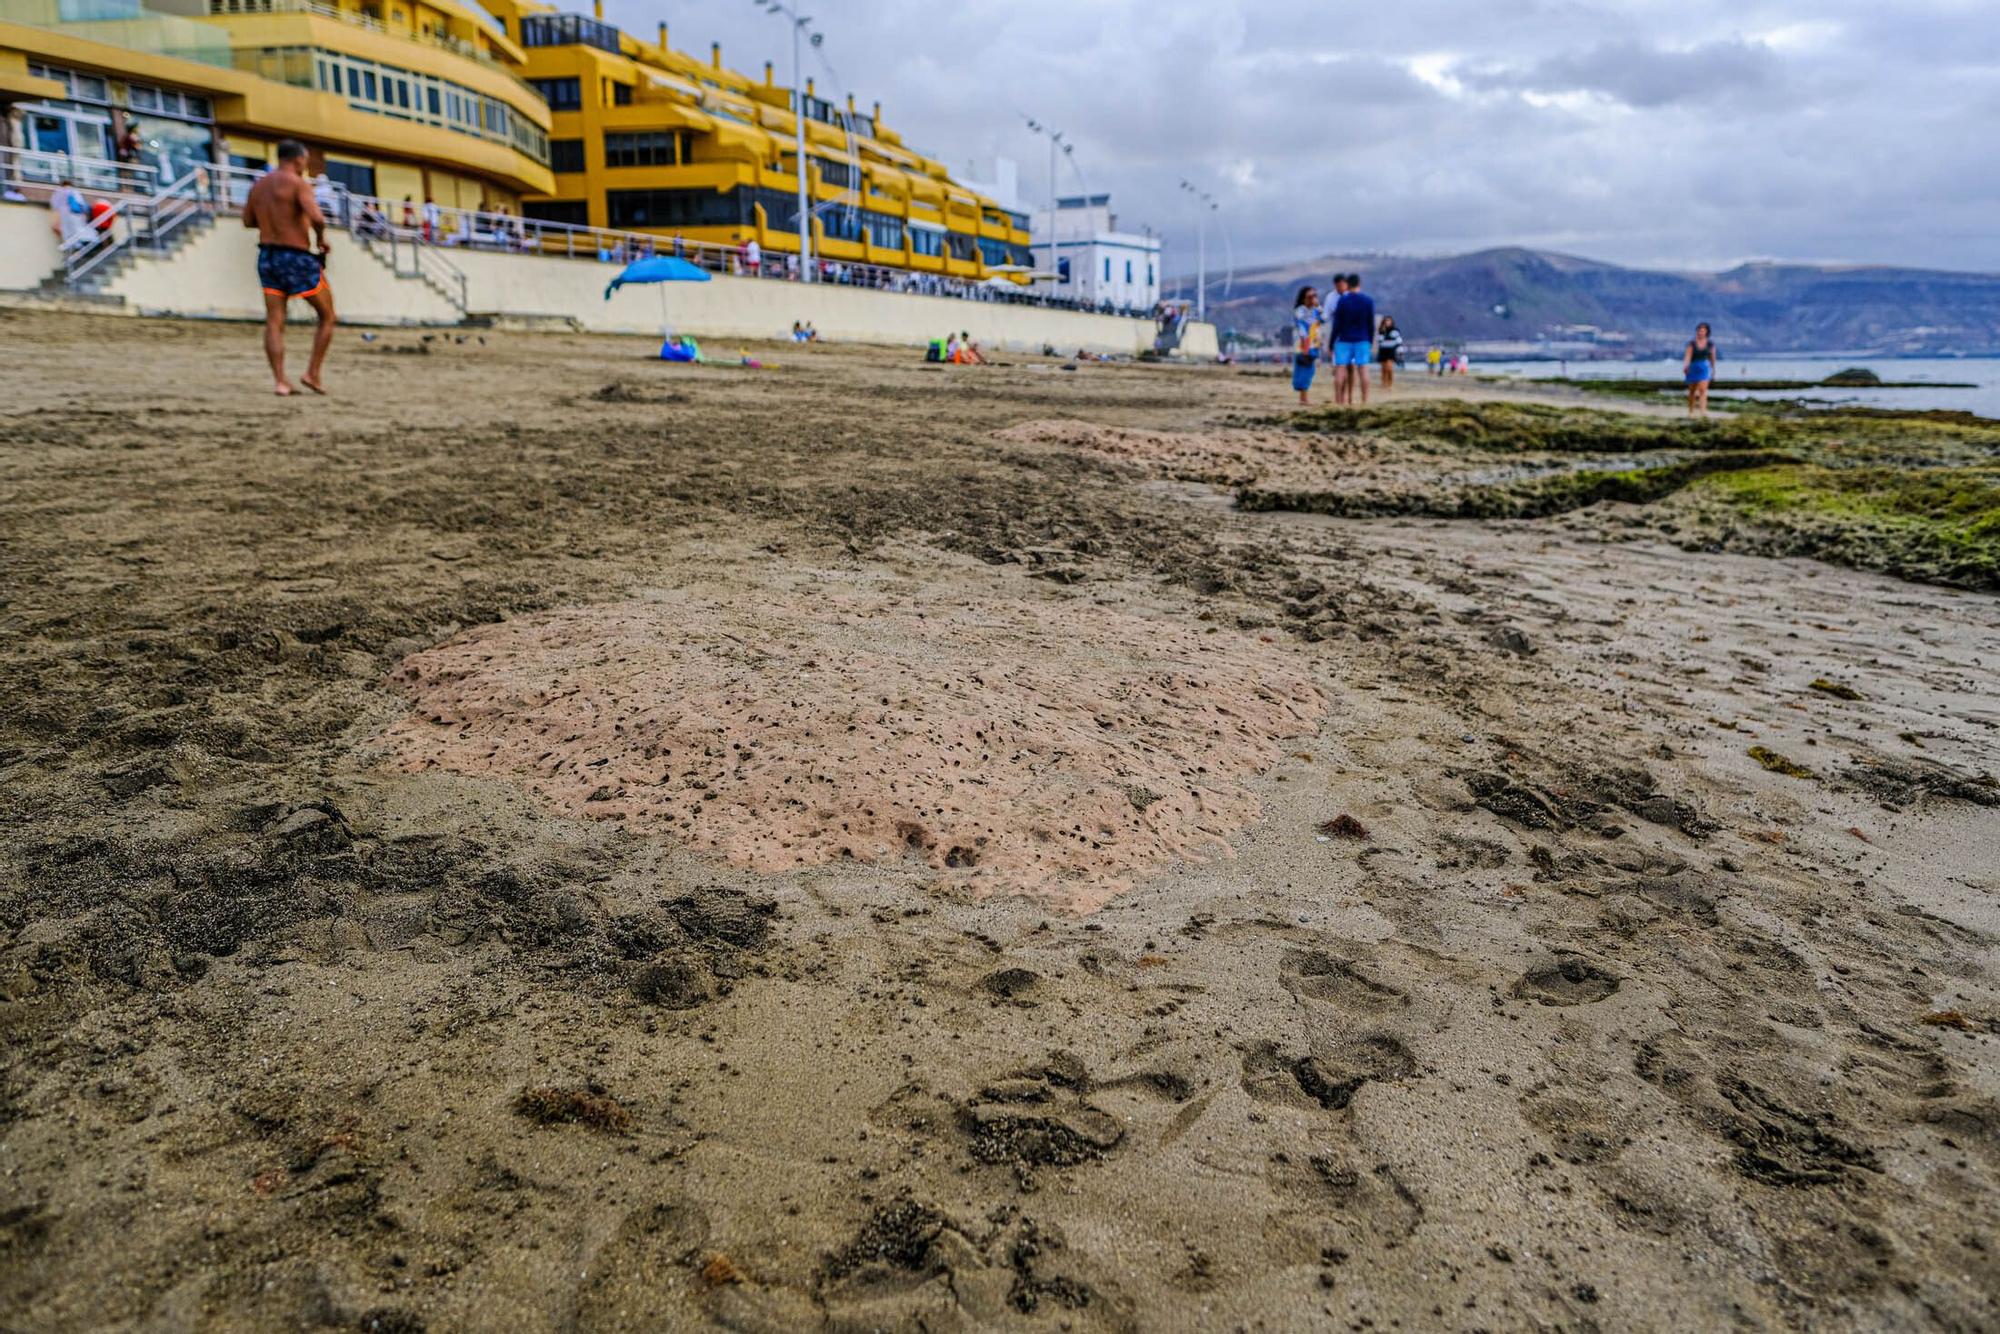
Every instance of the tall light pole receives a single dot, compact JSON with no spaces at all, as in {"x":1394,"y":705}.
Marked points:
{"x":801,"y":25}
{"x":1206,"y":206}
{"x":1056,"y":140}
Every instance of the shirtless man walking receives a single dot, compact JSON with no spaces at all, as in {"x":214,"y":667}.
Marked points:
{"x":282,"y":208}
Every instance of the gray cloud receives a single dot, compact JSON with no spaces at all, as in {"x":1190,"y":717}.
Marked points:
{"x":1643,"y":76}
{"x":1620,"y":129}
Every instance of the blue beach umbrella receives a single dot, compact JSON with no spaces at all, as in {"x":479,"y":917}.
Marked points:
{"x":663,"y":269}
{"x":658,"y":269}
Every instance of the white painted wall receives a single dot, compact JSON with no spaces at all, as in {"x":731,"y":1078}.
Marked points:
{"x":752,"y":308}
{"x":215,"y":276}
{"x":28,"y":251}
{"x":1119,"y":267}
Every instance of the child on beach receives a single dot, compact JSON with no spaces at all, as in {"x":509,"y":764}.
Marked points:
{"x":1308,"y":335}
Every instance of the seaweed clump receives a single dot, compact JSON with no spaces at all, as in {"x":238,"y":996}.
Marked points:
{"x":1533,"y":499}
{"x":1778,"y":764}
{"x":1935,"y":525}
{"x":589,"y":1107}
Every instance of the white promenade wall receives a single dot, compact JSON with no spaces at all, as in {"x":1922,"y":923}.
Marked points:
{"x":214,"y":276}
{"x":28,"y":250}
{"x":519,"y":285}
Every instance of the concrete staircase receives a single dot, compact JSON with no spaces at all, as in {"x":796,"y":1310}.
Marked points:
{"x":414,"y":261}
{"x":163,"y":242}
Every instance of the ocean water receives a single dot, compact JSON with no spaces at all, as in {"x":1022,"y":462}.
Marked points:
{"x":1981,"y":372}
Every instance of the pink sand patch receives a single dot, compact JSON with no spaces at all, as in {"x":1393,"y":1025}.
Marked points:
{"x":1058,"y":751}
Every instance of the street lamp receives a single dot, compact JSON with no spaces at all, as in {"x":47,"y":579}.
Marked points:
{"x":1201,"y":246}
{"x":801,"y":28}
{"x":1056,"y":141}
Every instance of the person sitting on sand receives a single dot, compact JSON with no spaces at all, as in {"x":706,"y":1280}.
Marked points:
{"x":969,"y":350}
{"x":282,"y":209}
{"x":1698,"y":368}
{"x":951,"y":348}
{"x":1308,"y":333}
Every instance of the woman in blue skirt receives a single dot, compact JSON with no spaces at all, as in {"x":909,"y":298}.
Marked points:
{"x":1698,"y":365}
{"x":1308,"y":337}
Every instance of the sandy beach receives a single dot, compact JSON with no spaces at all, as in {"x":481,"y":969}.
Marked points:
{"x":548,"y":840}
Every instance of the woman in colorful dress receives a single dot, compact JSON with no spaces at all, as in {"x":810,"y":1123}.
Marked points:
{"x":1308,"y":337}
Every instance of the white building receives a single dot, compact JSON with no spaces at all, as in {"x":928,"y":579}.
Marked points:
{"x":1093,"y":261}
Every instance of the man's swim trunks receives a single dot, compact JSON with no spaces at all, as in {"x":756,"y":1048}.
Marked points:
{"x":288,"y":271}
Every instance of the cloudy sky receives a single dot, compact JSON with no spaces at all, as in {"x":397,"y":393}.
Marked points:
{"x":1630,"y":130}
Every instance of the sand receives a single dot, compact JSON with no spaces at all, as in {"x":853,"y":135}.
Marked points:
{"x":1050,"y":752}
{"x":318,"y":1014}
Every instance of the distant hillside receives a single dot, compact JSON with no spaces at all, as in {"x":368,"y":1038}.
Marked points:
{"x":1532,"y":296}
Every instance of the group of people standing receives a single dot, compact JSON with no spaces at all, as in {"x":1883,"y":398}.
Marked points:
{"x":1345,"y":333}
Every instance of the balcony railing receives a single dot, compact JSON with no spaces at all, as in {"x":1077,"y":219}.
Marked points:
{"x":472,"y":229}
{"x":34,"y":174}
{"x":442,"y":40}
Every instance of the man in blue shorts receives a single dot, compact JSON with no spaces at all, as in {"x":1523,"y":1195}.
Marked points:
{"x":282,"y":209}
{"x":1353,"y":341}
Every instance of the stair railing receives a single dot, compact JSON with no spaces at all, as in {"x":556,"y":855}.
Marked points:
{"x":137,"y":224}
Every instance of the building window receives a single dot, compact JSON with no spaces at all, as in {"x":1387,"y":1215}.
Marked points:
{"x":1149,"y":275}
{"x":926,"y":241}
{"x":40,"y":71}
{"x":560,"y":94}
{"x":842,"y":224}
{"x":621,"y":94}
{"x":1128,"y":270}
{"x":568,"y":30}
{"x":1107,"y":268}
{"x":358,"y":179}
{"x":674,"y":208}
{"x":837,"y":174}
{"x":1062,"y":271}
{"x":883,"y":230}
{"x":569,"y":212}
{"x":650,"y":148}
{"x":781,"y":208}
{"x":565,"y":155}
{"x":408,"y":95}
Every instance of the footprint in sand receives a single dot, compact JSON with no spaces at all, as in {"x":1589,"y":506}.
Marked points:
{"x":1316,"y":975}
{"x":1567,"y":980}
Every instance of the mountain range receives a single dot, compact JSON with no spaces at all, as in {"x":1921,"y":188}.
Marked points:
{"x":1520,"y":296}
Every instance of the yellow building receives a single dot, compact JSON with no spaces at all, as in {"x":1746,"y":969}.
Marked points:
{"x":417,"y":98}
{"x":647,"y":138}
